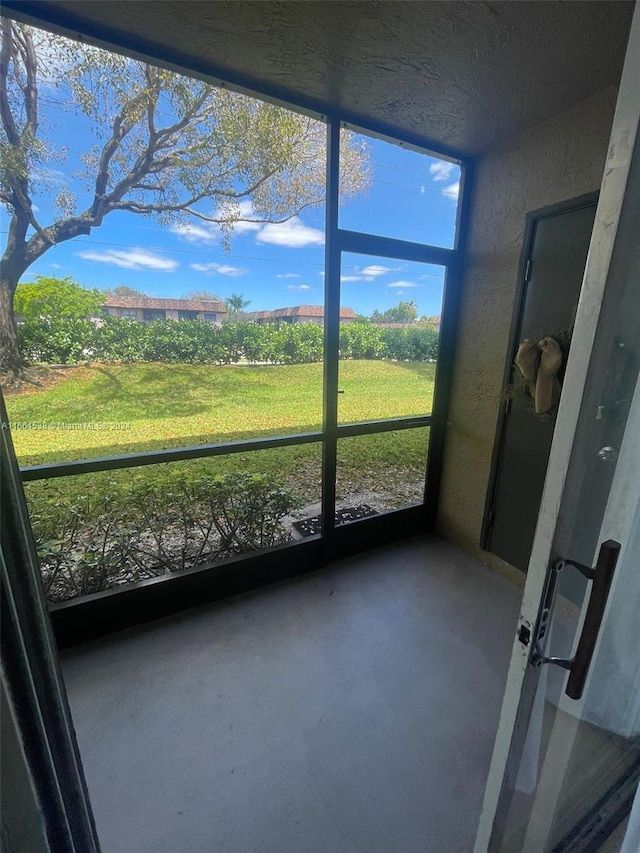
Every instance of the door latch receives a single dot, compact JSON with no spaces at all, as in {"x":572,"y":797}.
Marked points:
{"x":601,"y":575}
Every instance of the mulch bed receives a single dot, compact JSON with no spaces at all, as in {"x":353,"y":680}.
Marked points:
{"x":312,"y":525}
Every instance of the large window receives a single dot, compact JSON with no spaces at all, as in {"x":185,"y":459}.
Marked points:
{"x":307,"y":399}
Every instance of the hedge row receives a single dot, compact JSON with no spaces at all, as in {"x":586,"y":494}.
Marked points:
{"x":195,"y":342}
{"x":145,"y":528}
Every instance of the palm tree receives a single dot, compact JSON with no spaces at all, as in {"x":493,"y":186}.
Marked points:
{"x":236,"y":305}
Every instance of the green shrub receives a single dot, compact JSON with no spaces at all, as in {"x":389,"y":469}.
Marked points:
{"x":413,"y":343}
{"x":56,"y":341}
{"x":195,"y":342}
{"x":361,"y":341}
{"x":149,"y":527}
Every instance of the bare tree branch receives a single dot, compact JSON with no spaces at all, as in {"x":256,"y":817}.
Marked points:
{"x":7,"y":54}
{"x":168,"y":146}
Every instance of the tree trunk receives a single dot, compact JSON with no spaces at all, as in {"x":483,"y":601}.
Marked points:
{"x":10,"y":359}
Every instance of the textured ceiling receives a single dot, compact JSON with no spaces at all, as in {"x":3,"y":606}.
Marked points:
{"x":467,"y":75}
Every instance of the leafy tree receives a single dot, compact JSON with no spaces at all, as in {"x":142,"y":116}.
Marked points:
{"x":166,"y":146}
{"x":124,"y":290}
{"x":203,"y":295}
{"x":403,"y":312}
{"x":56,"y":298}
{"x":236,"y":305}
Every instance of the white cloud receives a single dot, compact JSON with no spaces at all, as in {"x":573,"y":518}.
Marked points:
{"x":293,"y":233}
{"x":403,"y":284}
{"x":194,"y":232}
{"x":369,"y":273}
{"x":227,"y":269}
{"x":374,"y":270}
{"x":246,"y":227}
{"x":452,"y":191}
{"x":131,"y":259}
{"x":238,"y":209}
{"x":441,"y":171}
{"x":298,"y":287}
{"x":221,"y":269}
{"x":246,"y":212}
{"x":290,"y":275}
{"x":202,"y":231}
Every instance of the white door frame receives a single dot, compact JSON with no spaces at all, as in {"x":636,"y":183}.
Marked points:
{"x":623,"y":142}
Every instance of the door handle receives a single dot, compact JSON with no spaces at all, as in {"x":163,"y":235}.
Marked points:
{"x":602,"y":576}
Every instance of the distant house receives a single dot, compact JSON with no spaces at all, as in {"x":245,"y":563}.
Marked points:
{"x":146,"y":309}
{"x":298,"y":314}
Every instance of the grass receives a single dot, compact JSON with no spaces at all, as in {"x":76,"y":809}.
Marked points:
{"x":173,"y":405}
{"x":167,"y":405}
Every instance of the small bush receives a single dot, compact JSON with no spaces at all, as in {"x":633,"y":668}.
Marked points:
{"x":413,"y":343}
{"x":144,"y":529}
{"x":56,"y":341}
{"x":362,"y":341}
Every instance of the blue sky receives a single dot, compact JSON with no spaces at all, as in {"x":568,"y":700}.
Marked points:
{"x":412,"y":196}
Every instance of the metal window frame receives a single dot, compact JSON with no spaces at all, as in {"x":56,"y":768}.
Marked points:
{"x":105,"y":612}
{"x":31,"y":670}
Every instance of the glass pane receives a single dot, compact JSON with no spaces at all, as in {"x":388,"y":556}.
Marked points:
{"x":99,"y":531}
{"x":172,"y":327}
{"x":380,"y":472}
{"x":115,"y":409}
{"x":580,"y":761}
{"x":411,"y":195}
{"x":389,"y":334}
{"x":575,"y":763}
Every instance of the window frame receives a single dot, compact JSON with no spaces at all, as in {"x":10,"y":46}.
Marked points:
{"x":95,"y":615}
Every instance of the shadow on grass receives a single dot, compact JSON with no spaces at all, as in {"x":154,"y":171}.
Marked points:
{"x":121,"y":448}
{"x":155,"y":391}
{"x":162,"y":390}
{"x":396,"y":447}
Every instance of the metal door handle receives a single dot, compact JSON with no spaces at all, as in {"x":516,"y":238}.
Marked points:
{"x":601,"y":575}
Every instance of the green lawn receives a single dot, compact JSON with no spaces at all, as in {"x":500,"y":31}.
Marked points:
{"x":166,"y":405}
{"x":172,"y":405}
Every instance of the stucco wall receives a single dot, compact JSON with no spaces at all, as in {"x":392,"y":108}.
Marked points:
{"x":558,"y":160}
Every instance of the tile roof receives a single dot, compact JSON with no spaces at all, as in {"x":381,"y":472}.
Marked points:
{"x":166,"y":304}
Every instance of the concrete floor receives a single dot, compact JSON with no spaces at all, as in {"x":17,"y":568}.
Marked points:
{"x":349,"y":711}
